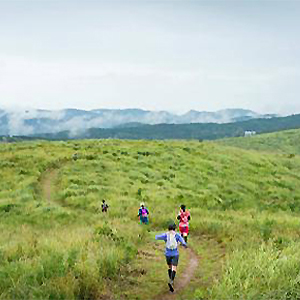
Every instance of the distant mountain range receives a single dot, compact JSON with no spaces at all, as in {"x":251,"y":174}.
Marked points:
{"x":199,"y":131}
{"x":76,"y":122}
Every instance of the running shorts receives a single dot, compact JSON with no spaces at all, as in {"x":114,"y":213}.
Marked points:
{"x":183,"y":229}
{"x":172,"y":260}
{"x":144,"y":220}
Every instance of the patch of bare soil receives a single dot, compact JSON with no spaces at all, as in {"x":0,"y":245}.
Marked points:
{"x":47,"y":184}
{"x":182,"y":279}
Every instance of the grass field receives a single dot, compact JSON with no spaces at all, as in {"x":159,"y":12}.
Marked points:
{"x":242,"y":193}
{"x":284,"y":142}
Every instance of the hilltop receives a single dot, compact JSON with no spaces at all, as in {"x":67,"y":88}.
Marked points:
{"x":281,"y":142}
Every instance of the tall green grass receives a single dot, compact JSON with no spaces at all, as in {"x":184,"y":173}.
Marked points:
{"x":282,"y":142}
{"x":246,"y":201}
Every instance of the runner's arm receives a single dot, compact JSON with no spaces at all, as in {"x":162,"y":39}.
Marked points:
{"x":162,"y":237}
{"x":181,"y":240}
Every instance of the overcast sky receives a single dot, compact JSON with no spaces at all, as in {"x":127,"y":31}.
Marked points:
{"x":173,"y":55}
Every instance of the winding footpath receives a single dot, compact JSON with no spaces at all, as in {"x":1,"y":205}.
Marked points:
{"x":182,"y":280}
{"x":47,"y":182}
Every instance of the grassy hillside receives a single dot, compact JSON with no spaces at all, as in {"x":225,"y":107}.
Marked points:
{"x":287,"y":142}
{"x":56,"y":244}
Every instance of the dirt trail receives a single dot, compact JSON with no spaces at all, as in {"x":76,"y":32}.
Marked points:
{"x":182,"y":279}
{"x":46,"y":183}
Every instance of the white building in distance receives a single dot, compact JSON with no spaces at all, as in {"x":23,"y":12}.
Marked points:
{"x":249,"y":133}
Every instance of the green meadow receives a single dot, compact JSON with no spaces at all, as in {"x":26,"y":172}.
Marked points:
{"x":243,"y":196}
{"x":287,"y":142}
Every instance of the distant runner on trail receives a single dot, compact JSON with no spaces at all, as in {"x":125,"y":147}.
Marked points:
{"x":143,"y":214}
{"x":104,"y":206}
{"x":172,"y":255}
{"x":184,"y":218}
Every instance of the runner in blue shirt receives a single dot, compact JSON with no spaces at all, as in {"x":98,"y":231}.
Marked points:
{"x":172,"y":239}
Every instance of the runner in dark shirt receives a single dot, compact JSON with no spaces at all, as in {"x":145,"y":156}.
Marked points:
{"x":104,"y":206}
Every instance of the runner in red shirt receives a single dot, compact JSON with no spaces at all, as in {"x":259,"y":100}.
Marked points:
{"x":184,"y":217}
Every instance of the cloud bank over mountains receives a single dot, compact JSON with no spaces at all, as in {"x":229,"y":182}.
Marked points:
{"x":165,"y":55}
{"x":32,"y":122}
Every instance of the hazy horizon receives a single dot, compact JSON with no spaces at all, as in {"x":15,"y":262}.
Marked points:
{"x":154,"y":55}
{"x":22,"y":109}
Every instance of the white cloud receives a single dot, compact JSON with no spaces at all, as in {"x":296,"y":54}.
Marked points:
{"x":159,"y":56}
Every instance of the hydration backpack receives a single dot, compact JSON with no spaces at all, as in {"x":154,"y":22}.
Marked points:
{"x":144,"y":212}
{"x":171,"y":241}
{"x":184,"y":217}
{"x":104,"y":207}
